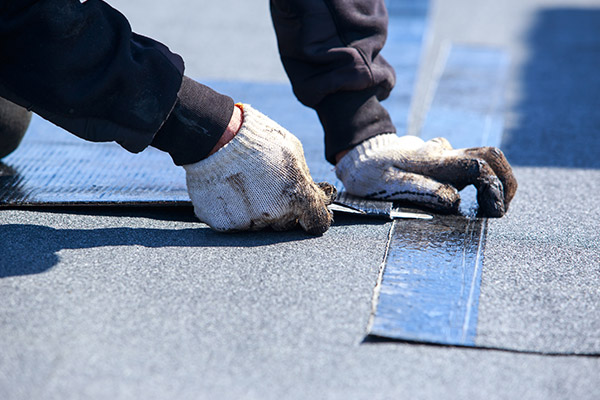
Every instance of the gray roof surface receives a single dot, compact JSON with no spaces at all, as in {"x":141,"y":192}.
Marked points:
{"x":109,"y":303}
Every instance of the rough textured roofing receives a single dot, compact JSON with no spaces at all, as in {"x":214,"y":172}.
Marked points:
{"x":148,"y":303}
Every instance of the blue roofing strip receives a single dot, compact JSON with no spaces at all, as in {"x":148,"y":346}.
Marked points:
{"x":429,"y":289}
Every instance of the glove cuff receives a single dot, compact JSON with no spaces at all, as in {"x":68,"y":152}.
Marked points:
{"x":362,"y":152}
{"x":249,"y":143}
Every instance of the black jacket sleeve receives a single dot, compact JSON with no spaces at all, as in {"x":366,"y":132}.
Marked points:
{"x":330,"y":51}
{"x":80,"y":66}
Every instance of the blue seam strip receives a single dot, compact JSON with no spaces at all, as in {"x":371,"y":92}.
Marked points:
{"x":431,"y":282}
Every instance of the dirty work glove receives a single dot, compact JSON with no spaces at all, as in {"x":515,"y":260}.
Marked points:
{"x":259,"y":179}
{"x":430,"y":174}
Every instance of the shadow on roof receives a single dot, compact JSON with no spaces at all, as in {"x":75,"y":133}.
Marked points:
{"x":556,"y":122}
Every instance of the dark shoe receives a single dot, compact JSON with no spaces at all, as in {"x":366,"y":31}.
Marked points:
{"x":14,"y":121}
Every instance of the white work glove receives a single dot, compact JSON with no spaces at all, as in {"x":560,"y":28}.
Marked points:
{"x":429,"y":174}
{"x":259,"y":179}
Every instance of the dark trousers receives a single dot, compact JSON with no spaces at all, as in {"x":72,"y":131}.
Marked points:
{"x":81,"y":67}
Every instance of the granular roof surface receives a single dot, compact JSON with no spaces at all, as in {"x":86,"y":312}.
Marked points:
{"x":119,"y":303}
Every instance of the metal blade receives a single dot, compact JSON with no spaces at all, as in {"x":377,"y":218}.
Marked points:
{"x":348,"y":203}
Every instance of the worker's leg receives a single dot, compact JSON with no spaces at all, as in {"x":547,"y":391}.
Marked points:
{"x":14,"y":121}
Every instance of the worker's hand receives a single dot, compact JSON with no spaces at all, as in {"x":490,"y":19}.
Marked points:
{"x":429,"y":174}
{"x":259,"y":179}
